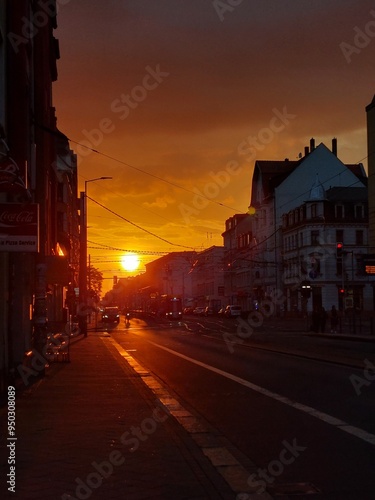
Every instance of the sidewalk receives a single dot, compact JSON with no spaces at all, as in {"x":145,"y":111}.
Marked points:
{"x":362,"y":330}
{"x":91,"y":427}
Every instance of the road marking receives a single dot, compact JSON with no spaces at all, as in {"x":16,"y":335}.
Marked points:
{"x":339,"y":424}
{"x":222,"y":459}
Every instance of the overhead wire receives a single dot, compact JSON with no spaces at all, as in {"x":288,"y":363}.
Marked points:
{"x":57,"y":133}
{"x":137,"y":226}
{"x":144,"y":252}
{"x":201,"y":195}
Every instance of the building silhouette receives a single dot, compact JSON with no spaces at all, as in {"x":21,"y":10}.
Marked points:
{"x":38,"y":186}
{"x":370,"y":115}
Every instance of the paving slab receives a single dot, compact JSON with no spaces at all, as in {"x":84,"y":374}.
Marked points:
{"x":92,"y":429}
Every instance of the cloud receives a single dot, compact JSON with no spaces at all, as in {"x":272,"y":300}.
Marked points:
{"x":160,"y":202}
{"x":224,"y":80}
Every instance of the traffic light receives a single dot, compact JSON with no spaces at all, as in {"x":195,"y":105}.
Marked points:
{"x":342,"y":291}
{"x":339,"y":250}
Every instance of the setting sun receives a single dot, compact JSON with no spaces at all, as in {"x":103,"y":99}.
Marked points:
{"x":130,"y":262}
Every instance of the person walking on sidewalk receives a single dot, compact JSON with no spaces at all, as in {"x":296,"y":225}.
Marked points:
{"x":322,"y":319}
{"x":315,"y":320}
{"x":334,"y":319}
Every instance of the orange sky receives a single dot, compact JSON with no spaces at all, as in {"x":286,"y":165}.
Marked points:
{"x":181,"y":98}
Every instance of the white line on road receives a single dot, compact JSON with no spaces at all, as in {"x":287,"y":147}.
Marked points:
{"x":339,"y":424}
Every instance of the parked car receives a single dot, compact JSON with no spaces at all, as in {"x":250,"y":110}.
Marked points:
{"x":232,"y":311}
{"x":188,"y":310}
{"x":111,"y":315}
{"x":221,"y":311}
{"x":209,"y":311}
{"x":198,"y":311}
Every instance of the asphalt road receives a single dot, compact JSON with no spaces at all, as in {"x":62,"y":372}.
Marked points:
{"x":307,"y":424}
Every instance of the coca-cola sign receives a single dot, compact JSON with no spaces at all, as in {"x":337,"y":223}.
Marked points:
{"x":18,"y":227}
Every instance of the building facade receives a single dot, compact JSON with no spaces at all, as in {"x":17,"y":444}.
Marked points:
{"x":169,"y":275}
{"x":370,"y":114}
{"x":238,"y":239}
{"x":299,"y":210}
{"x":36,"y":262}
{"x":207,"y":277}
{"x":325,"y":240}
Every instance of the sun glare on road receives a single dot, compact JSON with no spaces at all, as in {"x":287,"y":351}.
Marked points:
{"x":130,"y":262}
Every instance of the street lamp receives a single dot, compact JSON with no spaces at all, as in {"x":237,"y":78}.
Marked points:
{"x":83,"y":258}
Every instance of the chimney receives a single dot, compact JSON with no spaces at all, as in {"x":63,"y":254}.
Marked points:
{"x":312,"y":144}
{"x":334,"y":146}
{"x":306,"y":150}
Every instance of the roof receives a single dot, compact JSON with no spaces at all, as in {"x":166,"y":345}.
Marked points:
{"x":371,"y":105}
{"x":273,"y":173}
{"x":358,"y":170}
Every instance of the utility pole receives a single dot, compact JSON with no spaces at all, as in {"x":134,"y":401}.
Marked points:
{"x":82,"y":307}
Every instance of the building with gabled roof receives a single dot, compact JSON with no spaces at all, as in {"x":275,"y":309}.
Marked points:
{"x":279,"y":189}
{"x":332,"y":172}
{"x":310,"y":235}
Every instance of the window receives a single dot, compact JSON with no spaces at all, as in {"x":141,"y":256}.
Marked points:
{"x":358,"y":211}
{"x":313,"y":210}
{"x":314,"y":268}
{"x":315,"y":237}
{"x":340,"y":235}
{"x":339,"y":211}
{"x":301,"y":239}
{"x":359,"y":237}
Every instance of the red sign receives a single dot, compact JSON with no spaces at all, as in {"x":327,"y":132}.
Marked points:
{"x":19,"y":227}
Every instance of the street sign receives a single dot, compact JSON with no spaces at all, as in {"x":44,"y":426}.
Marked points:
{"x":19,"y":226}
{"x":369,"y":263}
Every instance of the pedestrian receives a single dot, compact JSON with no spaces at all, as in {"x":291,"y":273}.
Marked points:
{"x":322,"y":319}
{"x":315,"y":320}
{"x":334,"y":319}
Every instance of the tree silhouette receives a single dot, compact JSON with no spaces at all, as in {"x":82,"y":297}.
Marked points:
{"x":94,"y":282}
